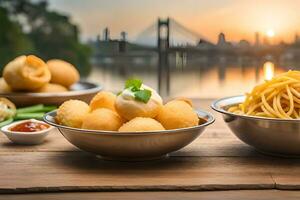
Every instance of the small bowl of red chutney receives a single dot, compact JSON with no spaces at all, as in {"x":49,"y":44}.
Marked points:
{"x":28,"y":132}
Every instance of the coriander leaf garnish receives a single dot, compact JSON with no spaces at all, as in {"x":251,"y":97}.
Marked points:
{"x":134,"y":84}
{"x":143,"y":95}
{"x":134,"y":89}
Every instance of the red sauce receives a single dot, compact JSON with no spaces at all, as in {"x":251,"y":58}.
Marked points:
{"x":29,"y":127}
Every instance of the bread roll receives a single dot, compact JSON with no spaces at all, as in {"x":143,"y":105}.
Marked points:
{"x":71,"y":113}
{"x":102,"y":119}
{"x":103,"y":99}
{"x":26,"y":73}
{"x":141,"y":124}
{"x":62,"y":72}
{"x":52,"y":88}
{"x":129,"y":108}
{"x":4,"y":87}
{"x":177,"y":114}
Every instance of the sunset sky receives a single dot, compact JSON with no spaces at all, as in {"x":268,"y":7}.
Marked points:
{"x":238,"y":19}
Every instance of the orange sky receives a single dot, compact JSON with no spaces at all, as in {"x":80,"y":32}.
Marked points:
{"x":238,"y":19}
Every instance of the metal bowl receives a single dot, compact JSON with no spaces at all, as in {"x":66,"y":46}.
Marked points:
{"x":128,"y":146}
{"x":269,"y":135}
{"x":81,"y":90}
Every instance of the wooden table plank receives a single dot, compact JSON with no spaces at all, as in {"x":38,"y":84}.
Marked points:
{"x":216,"y":195}
{"x":59,"y":171}
{"x":287,"y":174}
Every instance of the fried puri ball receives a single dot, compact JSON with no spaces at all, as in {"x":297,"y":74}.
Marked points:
{"x":71,"y":113}
{"x":102,"y":119}
{"x":185,"y":100}
{"x":26,"y":73}
{"x":103,"y":99}
{"x":141,"y":124}
{"x":52,"y":88}
{"x":177,"y":114}
{"x":62,"y":72}
{"x":4,"y":87}
{"x":130,"y":108}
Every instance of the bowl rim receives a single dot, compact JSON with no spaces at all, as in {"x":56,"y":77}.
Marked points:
{"x":210,"y":119}
{"x":95,"y":88}
{"x":223,"y":111}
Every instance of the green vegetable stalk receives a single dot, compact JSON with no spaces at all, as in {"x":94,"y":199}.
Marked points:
{"x":48,"y":108}
{"x":30,"y":112}
{"x":21,"y":116}
{"x":36,"y":109}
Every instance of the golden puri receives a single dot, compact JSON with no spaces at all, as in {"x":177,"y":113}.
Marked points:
{"x":177,"y":114}
{"x":103,"y":99}
{"x":141,"y":124}
{"x":62,"y":72}
{"x":26,"y":73}
{"x":102,"y":119}
{"x":4,"y":87}
{"x":52,"y":88}
{"x":129,"y":108}
{"x":71,"y":113}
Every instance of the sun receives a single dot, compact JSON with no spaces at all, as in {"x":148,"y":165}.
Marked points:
{"x":270,"y":33}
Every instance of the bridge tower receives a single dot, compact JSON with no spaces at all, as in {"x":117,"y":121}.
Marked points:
{"x":163,"y":44}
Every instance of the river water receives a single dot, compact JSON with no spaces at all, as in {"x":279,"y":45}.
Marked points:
{"x":210,"y":82}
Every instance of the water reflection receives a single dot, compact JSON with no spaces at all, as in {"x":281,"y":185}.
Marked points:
{"x":192,"y":80}
{"x":268,"y":70}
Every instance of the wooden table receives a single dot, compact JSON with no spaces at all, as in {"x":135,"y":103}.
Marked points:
{"x":215,"y":166}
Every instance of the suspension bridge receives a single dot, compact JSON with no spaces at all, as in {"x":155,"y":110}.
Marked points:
{"x":167,"y":35}
{"x":171,"y":30}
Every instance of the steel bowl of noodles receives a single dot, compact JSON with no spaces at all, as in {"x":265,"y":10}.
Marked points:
{"x":268,"y":117}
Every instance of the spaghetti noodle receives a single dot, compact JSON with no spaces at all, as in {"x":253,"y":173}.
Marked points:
{"x":277,"y":98}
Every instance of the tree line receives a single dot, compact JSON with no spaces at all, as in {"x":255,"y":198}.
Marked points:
{"x":29,"y":27}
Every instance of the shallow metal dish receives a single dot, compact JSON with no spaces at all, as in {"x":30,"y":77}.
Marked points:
{"x":128,"y":146}
{"x":81,"y":90}
{"x":272,"y":136}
